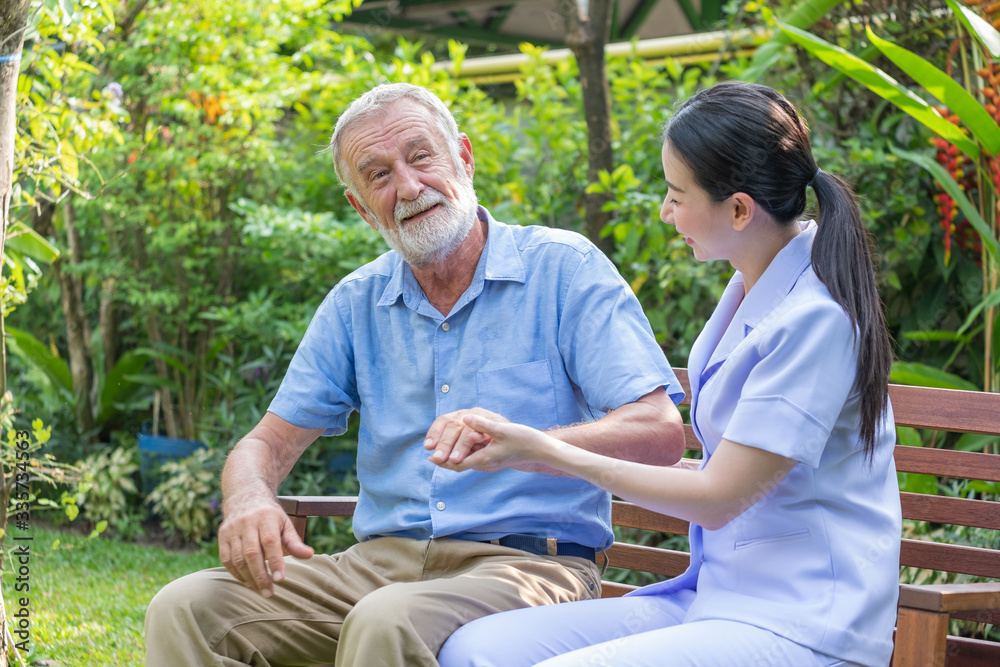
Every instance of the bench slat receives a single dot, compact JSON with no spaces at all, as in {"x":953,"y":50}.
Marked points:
{"x":992,"y":617}
{"x":955,"y":511}
{"x":610,"y":589}
{"x":682,"y":377}
{"x":950,"y":558}
{"x":666,"y":562}
{"x":948,"y":463}
{"x":965,"y":652}
{"x":916,"y":506}
{"x":632,"y":516}
{"x":924,"y":407}
{"x":318,"y":505}
{"x":946,"y":409}
{"x":690,"y":439}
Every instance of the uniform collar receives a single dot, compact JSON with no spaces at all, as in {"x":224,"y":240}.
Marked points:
{"x":739,"y":313}
{"x":778,"y":278}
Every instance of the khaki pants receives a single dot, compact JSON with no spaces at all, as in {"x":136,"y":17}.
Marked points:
{"x":386,"y":602}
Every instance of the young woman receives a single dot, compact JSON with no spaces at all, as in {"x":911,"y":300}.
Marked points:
{"x":795,"y":518}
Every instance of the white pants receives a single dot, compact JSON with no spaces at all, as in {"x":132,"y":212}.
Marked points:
{"x":642,"y":631}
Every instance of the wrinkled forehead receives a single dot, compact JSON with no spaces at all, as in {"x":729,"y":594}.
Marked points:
{"x":402,"y":125}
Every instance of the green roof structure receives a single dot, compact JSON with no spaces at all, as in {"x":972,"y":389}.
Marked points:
{"x":539,"y":22}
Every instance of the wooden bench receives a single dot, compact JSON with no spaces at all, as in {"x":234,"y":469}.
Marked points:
{"x":925,"y":609}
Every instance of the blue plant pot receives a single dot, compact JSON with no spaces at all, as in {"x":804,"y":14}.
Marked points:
{"x":154,"y":451}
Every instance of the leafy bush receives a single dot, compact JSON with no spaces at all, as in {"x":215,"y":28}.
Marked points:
{"x":188,"y":500}
{"x":108,"y":490}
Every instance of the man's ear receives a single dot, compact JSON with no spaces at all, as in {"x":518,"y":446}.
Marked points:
{"x":465,"y":154}
{"x":743,"y":210}
{"x":362,"y":210}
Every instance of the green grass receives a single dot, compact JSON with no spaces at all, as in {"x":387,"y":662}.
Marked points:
{"x":89,"y":597}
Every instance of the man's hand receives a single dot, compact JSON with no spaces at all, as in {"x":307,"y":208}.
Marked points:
{"x":510,"y":446}
{"x":253,"y":539}
{"x":452,"y":439}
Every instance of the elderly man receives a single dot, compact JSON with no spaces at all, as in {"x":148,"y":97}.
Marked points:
{"x":528,"y":324}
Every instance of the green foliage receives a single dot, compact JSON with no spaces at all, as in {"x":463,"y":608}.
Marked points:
{"x":108,"y":489}
{"x":26,"y":466}
{"x":801,"y":15}
{"x":187,"y":500}
{"x":882,"y":85}
{"x":966,"y":124}
{"x":34,"y":351}
{"x":63,"y":116}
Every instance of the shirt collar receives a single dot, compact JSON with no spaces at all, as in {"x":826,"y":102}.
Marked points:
{"x":501,"y":260}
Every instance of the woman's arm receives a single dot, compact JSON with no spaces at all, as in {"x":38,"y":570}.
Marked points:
{"x":735,"y":478}
{"x":648,"y":430}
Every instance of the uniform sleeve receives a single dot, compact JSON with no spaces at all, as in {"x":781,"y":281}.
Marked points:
{"x":606,"y":342}
{"x":795,"y":393}
{"x":320,"y":390}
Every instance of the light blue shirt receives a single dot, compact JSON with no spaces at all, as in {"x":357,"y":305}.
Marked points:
{"x":548,"y":334}
{"x":816,"y":558}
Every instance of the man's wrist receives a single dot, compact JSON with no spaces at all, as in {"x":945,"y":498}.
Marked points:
{"x":235,"y":503}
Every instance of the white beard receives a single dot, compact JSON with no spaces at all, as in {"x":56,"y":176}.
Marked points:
{"x":432,"y":239}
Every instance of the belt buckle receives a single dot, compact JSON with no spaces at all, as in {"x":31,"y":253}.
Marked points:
{"x":551,"y":548}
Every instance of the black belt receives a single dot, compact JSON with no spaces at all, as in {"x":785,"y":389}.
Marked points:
{"x":542,"y":546}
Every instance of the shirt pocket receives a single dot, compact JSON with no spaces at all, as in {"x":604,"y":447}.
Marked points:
{"x":771,"y":539}
{"x":524,"y":393}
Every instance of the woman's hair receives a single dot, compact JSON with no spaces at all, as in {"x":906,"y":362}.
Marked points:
{"x":742,"y":137}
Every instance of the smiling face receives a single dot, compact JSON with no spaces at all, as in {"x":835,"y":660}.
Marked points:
{"x":409,"y":185}
{"x":705,"y":225}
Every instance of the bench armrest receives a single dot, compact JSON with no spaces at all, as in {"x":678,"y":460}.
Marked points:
{"x":299,"y":508}
{"x":924,"y":612}
{"x":951,"y":597}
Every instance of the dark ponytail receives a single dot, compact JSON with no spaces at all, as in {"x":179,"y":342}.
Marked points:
{"x":742,"y":137}
{"x":841,"y":259}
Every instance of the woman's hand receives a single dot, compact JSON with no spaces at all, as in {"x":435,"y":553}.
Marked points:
{"x":509,"y":446}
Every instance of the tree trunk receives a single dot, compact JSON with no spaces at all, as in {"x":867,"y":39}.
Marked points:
{"x":13,"y":19}
{"x":77,"y":328}
{"x":107,"y":324}
{"x":107,"y":321}
{"x":75,"y":246}
{"x":588,"y":24}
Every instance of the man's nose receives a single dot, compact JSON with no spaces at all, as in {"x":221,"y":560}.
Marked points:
{"x":408,"y":183}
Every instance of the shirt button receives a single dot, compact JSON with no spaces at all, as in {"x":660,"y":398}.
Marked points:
{"x":445,"y":326}
{"x":445,"y":389}
{"x":440,"y":505}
